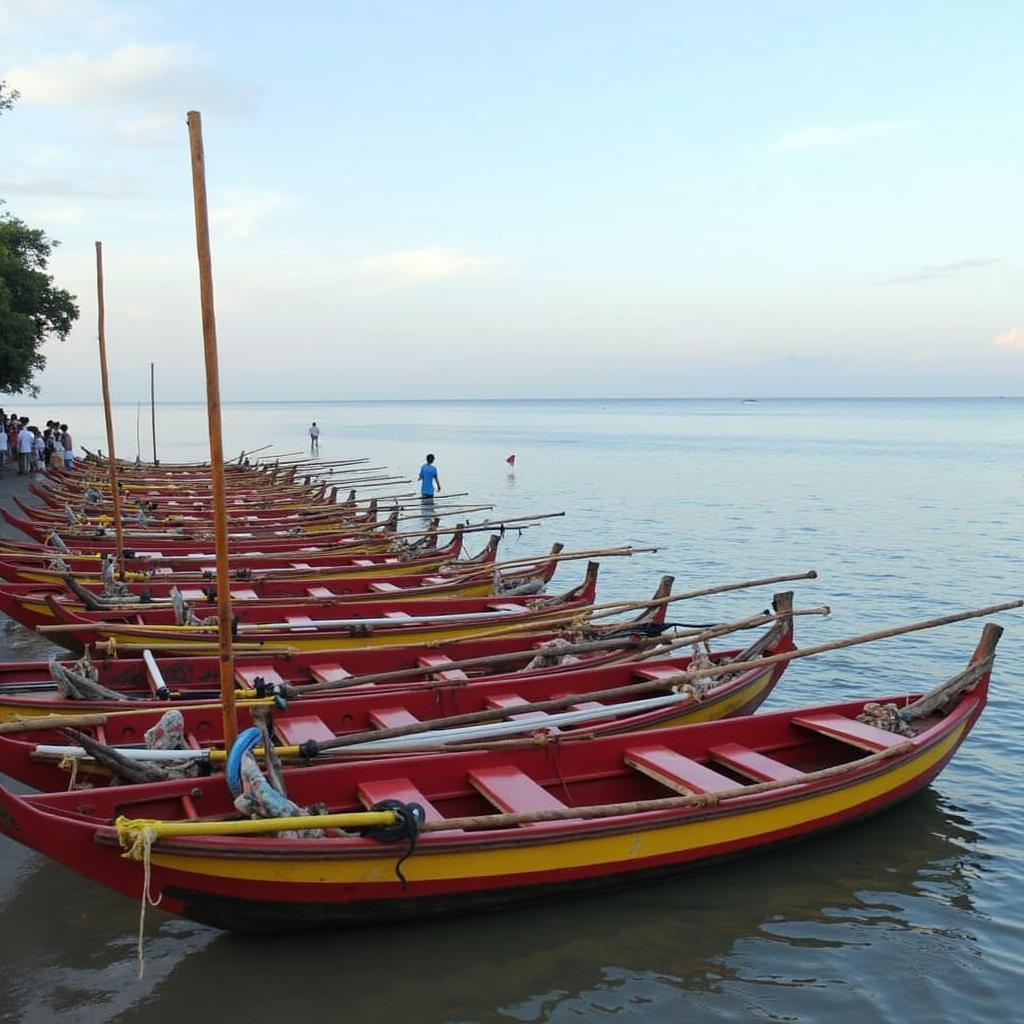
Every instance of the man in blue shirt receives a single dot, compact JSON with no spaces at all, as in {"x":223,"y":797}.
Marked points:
{"x":429,"y":478}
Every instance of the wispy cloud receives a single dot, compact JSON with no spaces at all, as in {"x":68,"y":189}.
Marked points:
{"x":433,"y":263}
{"x":936,"y":271}
{"x":110,"y":188}
{"x":240,"y":211}
{"x":1012,"y":339}
{"x":838,"y":136}
{"x":157,"y":78}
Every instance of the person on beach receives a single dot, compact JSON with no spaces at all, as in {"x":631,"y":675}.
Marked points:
{"x":38,"y":450}
{"x":428,"y":478}
{"x":314,"y":437}
{"x":69,"y":448}
{"x":26,"y":445}
{"x":4,"y":446}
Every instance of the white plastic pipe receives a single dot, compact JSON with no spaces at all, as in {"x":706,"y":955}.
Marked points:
{"x":159,"y":686}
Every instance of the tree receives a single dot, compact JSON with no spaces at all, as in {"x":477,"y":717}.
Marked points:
{"x":32,"y":309}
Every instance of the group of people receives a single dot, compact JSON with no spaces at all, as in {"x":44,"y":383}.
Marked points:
{"x":23,"y":444}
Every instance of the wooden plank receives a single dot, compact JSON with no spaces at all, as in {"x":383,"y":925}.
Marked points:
{"x":513,"y":700}
{"x":397,"y":789}
{"x":752,"y":764}
{"x":513,"y":791}
{"x":296,"y":729}
{"x":654,"y":674}
{"x":505,"y":606}
{"x":246,"y":675}
{"x":384,"y":588}
{"x":675,"y":771}
{"x":320,"y":593}
{"x":329,"y":673}
{"x":849,"y":730}
{"x":437,"y":662}
{"x":392,"y":718}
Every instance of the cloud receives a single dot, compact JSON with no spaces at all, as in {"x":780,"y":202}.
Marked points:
{"x":1012,"y":339}
{"x":833,"y":136}
{"x":240,"y":211}
{"x":433,"y":263}
{"x":167,"y":77}
{"x":108,"y":188}
{"x":66,"y":213}
{"x":940,"y":270}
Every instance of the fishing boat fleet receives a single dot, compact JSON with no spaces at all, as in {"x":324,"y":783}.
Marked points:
{"x":410,"y":730}
{"x":293,"y":700}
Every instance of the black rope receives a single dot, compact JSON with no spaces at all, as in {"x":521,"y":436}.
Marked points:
{"x":410,"y":818}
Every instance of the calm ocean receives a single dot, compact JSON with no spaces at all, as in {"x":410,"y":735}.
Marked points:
{"x":908,"y":509}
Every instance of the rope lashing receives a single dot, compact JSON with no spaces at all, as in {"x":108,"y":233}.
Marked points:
{"x":409,"y":820}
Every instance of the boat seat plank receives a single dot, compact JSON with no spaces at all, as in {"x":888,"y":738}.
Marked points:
{"x":505,"y":607}
{"x":397,"y":615}
{"x":849,"y":730}
{"x":753,"y":765}
{"x":437,"y":662}
{"x":513,"y":700}
{"x":654,"y":674}
{"x":435,"y":581}
{"x":392,"y":718}
{"x":512,"y":790}
{"x":296,"y":729}
{"x":363,"y":561}
{"x":300,"y":565}
{"x":246,"y":675}
{"x":320,"y":593}
{"x":587,"y":705}
{"x":329,"y":673}
{"x":397,"y":789}
{"x":675,"y":771}
{"x":385,"y":588}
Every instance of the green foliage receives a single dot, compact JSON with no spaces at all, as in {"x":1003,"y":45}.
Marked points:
{"x":32,"y":310}
{"x":7,"y":96}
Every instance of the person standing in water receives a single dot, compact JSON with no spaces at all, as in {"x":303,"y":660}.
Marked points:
{"x":314,"y":438}
{"x":428,"y":478}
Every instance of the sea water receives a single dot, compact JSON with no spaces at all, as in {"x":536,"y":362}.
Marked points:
{"x":907,"y":509}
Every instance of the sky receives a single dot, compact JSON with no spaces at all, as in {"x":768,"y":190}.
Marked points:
{"x":540,"y":199}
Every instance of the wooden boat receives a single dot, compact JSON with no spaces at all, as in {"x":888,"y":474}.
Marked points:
{"x":29,"y":689}
{"x":368,"y":537}
{"x":28,"y":603}
{"x":316,"y":628}
{"x":488,"y":829}
{"x":47,"y":565}
{"x":643,"y":691}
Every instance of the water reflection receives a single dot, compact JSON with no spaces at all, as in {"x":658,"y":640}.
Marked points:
{"x":790,"y":928}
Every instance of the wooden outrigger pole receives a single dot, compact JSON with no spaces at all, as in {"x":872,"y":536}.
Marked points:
{"x":152,"y":409}
{"x":101,"y":330}
{"x":224,"y":622}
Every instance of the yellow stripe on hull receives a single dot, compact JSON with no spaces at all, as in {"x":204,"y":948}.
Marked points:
{"x":507,"y":863}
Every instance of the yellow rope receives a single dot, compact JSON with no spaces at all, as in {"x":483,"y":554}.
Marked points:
{"x":141,"y":849}
{"x":70,"y":763}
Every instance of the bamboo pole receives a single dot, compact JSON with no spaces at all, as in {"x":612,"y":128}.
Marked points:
{"x":105,"y":381}
{"x":152,"y":408}
{"x":224,"y":637}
